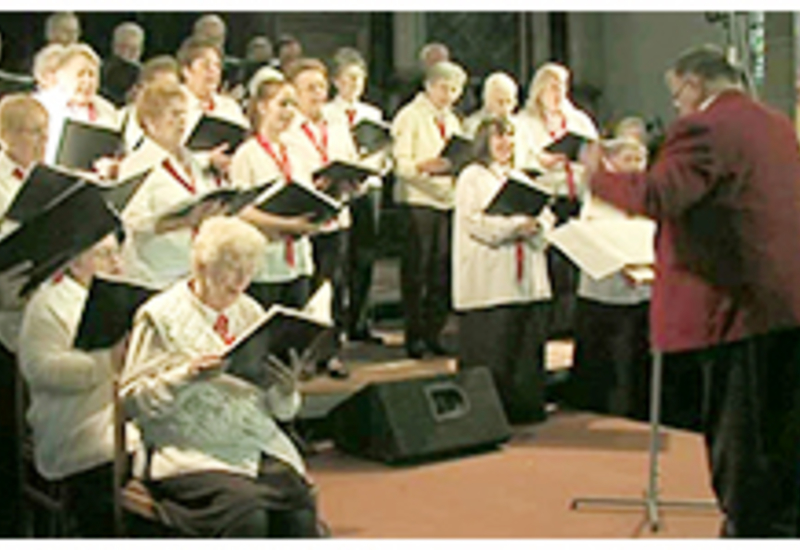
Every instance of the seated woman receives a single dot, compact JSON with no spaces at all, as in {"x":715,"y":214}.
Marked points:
{"x":612,"y":356}
{"x":500,"y":283}
{"x":158,"y":251}
{"x":71,"y":409}
{"x":218,"y":461}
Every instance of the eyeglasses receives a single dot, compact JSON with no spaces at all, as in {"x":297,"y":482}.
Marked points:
{"x":677,"y":93}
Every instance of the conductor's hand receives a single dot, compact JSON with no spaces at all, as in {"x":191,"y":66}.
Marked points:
{"x":434,"y":166}
{"x":206,"y":366}
{"x":219,"y":159}
{"x":11,"y":283}
{"x":591,"y":156}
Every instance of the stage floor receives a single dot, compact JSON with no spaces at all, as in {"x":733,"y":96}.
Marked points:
{"x":523,"y":490}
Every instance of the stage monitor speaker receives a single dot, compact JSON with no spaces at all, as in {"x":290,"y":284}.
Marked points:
{"x":421,"y":419}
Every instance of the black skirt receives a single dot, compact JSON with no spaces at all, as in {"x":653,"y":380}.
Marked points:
{"x":206,"y":504}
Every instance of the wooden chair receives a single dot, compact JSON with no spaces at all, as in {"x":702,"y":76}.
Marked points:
{"x":36,"y":493}
{"x":132,"y":499}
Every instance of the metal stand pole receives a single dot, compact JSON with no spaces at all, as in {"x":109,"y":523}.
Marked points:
{"x":651,"y":500}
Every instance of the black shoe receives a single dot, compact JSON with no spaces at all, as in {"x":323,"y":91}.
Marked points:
{"x":365,"y":336}
{"x":337,"y":369}
{"x":415,"y":349}
{"x":436,"y":348}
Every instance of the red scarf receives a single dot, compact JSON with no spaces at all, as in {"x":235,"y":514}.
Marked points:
{"x":322,"y":145}
{"x":285,"y":167}
{"x":222,"y":328}
{"x":188,"y":184}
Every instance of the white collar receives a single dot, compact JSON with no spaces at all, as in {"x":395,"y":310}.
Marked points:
{"x":707,"y":102}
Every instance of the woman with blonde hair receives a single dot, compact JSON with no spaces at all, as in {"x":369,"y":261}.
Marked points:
{"x":548,"y":116}
{"x":286,"y":274}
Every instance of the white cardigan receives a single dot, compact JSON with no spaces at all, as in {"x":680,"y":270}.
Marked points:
{"x":253,"y":166}
{"x":417,"y":138}
{"x":147,"y":256}
{"x":485,"y":247}
{"x":215,"y":423}
{"x":70,"y":390}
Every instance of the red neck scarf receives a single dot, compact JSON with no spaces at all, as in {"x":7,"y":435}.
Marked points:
{"x":320,"y":145}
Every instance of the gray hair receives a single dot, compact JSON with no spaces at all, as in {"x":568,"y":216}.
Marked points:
{"x":229,"y":243}
{"x":128,"y":28}
{"x":47,"y":60}
{"x":446,"y":70}
{"x":499,"y":80}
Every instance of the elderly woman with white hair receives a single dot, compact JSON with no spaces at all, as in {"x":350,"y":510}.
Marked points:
{"x":499,"y":101}
{"x":214,"y":453}
{"x":426,"y":195}
{"x":548,"y":115}
{"x":75,"y":94}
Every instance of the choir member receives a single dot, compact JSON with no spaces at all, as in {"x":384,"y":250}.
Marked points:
{"x":201,"y":69}
{"x":156,"y":68}
{"x":23,"y":134}
{"x":75,"y":95}
{"x":289,"y":50}
{"x":421,"y":130}
{"x":220,"y":462}
{"x":158,"y":250}
{"x":121,"y":70}
{"x":44,"y":66}
{"x":499,"y":100}
{"x":548,"y":115}
{"x":633,"y":127}
{"x":62,"y":28}
{"x":500,"y":283}
{"x":284,"y":277}
{"x":350,"y":79}
{"x":314,"y":141}
{"x":212,"y":28}
{"x":612,"y":359}
{"x":71,"y":409}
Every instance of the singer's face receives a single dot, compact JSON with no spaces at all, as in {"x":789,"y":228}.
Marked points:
{"x":501,"y":147}
{"x":687,"y":92}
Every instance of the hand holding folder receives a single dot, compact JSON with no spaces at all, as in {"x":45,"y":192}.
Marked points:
{"x":297,"y":199}
{"x":83,"y":143}
{"x":519,"y":195}
{"x":210,"y":132}
{"x":371,"y":136}
{"x":569,"y":145}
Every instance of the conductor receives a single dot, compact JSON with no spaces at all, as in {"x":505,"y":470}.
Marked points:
{"x":725,"y":192}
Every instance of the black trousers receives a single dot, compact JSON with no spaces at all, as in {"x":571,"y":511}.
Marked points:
{"x":89,"y":499}
{"x":563,"y":274}
{"x":330,"y":254}
{"x":425,"y":272}
{"x":9,"y":475}
{"x":612,"y":359}
{"x":361,"y":255}
{"x":293,"y":294}
{"x":510,"y":341}
{"x":751,"y":422}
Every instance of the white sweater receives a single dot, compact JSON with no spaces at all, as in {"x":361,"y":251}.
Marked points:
{"x":485,"y":247}
{"x":158,"y":259}
{"x":417,"y":138}
{"x":217,"y":423}
{"x":253,"y":166}
{"x":70,"y":390}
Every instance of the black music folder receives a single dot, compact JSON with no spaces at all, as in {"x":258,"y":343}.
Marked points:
{"x":344,"y":176}
{"x":82,"y":143}
{"x":518,"y":197}
{"x":297,"y":199}
{"x":371,"y":136}
{"x":232,"y":199}
{"x":44,"y":185}
{"x":459,"y":151}
{"x":109,"y":311}
{"x":64,"y":229}
{"x":569,"y":145}
{"x":211,"y":131}
{"x":118,"y":194}
{"x":280,"y":330}
{"x":532,"y":173}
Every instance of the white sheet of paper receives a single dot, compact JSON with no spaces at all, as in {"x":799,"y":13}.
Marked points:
{"x":603,"y":247}
{"x":319,"y":305}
